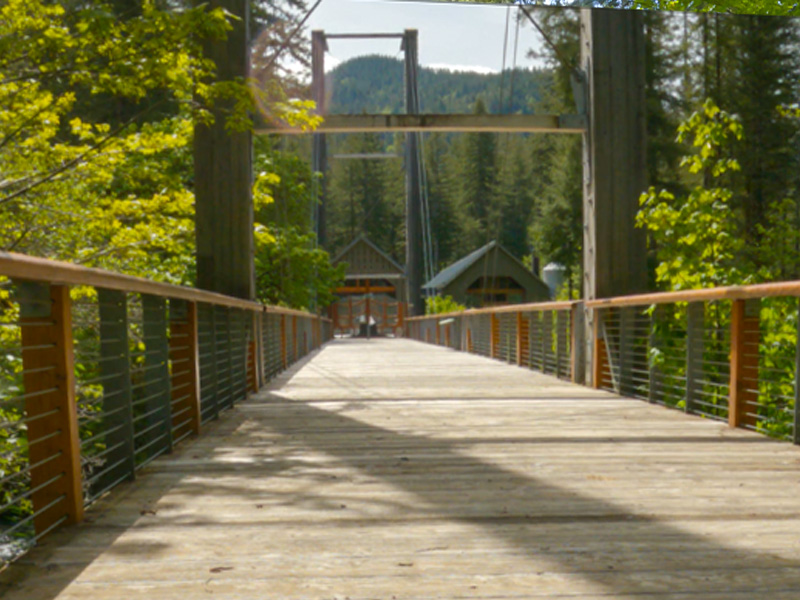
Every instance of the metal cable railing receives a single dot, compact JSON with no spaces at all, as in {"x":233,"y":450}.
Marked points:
{"x":102,"y":373}
{"x":537,"y":336}
{"x":727,"y":354}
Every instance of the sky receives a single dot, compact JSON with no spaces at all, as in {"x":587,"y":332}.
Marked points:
{"x":457,"y":36}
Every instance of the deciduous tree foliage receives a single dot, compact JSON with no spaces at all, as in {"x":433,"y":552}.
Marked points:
{"x":97,"y":107}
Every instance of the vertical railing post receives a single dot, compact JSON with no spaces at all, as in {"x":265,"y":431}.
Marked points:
{"x":599,"y":354}
{"x":158,"y":390}
{"x":258,"y":327}
{"x":796,"y":423}
{"x":547,"y":337}
{"x":284,"y":349}
{"x":654,"y":378}
{"x":695,"y":316}
{"x":626,"y":350}
{"x":401,"y":316}
{"x":251,"y":364}
{"x":494,"y":335}
{"x":50,"y":406}
{"x":335,"y":315}
{"x":185,"y":351}
{"x":115,"y":369}
{"x":561,"y":342}
{"x":213,"y":363}
{"x":577,"y":345}
{"x":744,"y":363}
{"x":295,"y":344}
{"x":229,"y":356}
{"x":520,"y":334}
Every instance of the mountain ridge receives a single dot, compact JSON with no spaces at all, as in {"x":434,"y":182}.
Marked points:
{"x":374,"y":84}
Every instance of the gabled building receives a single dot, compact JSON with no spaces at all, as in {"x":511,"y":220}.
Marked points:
{"x":374,"y":290}
{"x":490,"y":276}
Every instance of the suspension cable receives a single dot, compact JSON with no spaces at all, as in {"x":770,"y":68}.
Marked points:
{"x":559,"y":54}
{"x":503,"y":67}
{"x":514,"y":65}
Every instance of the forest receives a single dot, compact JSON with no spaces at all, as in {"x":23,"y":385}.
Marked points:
{"x":95,"y":148}
{"x":723,"y":154}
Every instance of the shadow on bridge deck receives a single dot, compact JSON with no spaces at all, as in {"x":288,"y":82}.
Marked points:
{"x":391,"y":469}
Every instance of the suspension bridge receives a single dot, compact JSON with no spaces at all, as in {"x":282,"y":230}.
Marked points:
{"x":171,"y":442}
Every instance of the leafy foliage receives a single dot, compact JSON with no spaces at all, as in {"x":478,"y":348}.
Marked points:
{"x":697,"y":237}
{"x":437,"y":305}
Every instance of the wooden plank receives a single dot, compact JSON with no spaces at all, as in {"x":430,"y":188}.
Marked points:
{"x":463,"y":123}
{"x":185,"y":356}
{"x":600,"y":365}
{"x":52,"y":429}
{"x":745,"y":338}
{"x":511,"y":308}
{"x":347,"y":477}
{"x":30,"y":268}
{"x":743,"y":292}
{"x":494,"y":335}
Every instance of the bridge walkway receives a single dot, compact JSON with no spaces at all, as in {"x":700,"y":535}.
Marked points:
{"x":397,"y":470}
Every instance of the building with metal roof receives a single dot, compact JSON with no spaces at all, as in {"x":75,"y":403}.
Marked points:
{"x":488,"y":276}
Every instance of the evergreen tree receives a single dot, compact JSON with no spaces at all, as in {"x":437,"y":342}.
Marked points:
{"x":767,"y":77}
{"x":477,"y":174}
{"x":515,"y":194}
{"x":365,"y":196}
{"x":446,"y":223}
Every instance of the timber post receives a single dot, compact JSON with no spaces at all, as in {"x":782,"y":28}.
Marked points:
{"x":223,"y":173}
{"x":745,"y":337}
{"x":577,"y":346}
{"x":610,"y":90}
{"x":184,"y":351}
{"x":494,"y":335}
{"x":319,"y":155}
{"x":49,"y":378}
{"x":414,"y":246}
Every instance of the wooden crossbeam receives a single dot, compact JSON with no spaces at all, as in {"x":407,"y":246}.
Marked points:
{"x":440,"y":123}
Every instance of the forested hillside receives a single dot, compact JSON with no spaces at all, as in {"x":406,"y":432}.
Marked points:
{"x":525,"y":190}
{"x":375,"y":84}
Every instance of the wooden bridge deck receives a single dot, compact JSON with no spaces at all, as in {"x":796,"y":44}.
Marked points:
{"x":391,"y":469}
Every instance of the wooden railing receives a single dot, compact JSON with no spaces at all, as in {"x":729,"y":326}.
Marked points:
{"x":100,"y":373}
{"x":728,"y":354}
{"x":539,"y":336}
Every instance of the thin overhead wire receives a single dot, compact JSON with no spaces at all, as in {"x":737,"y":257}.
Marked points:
{"x":514,"y":65}
{"x":291,"y":36}
{"x":422,"y":182}
{"x":503,"y":67}
{"x":562,"y":58}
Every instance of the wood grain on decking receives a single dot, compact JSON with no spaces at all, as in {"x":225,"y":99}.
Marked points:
{"x":395,"y":470}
